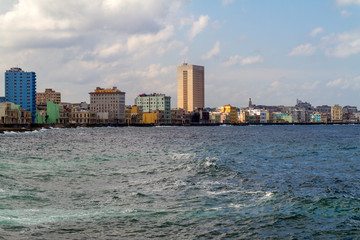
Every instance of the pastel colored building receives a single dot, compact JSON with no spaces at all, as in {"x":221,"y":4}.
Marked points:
{"x":191,"y":94}
{"x":48,"y":95}
{"x":336,"y":113}
{"x":20,"y":88}
{"x":109,"y":104}
{"x":315,"y":117}
{"x":155,"y":103}
{"x":49,"y":114}
{"x":278,"y":117}
{"x":11,"y":113}
{"x":231,"y":112}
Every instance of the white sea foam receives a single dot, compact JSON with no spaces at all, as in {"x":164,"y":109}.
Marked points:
{"x":10,"y":132}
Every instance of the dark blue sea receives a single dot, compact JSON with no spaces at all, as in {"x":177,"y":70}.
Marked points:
{"x":239,"y":182}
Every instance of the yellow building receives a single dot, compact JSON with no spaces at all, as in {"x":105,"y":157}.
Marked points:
{"x":244,"y":117}
{"x":191,"y":93}
{"x":336,"y":113}
{"x":136,"y":114}
{"x":231,"y":111}
{"x":150,"y":118}
{"x":127,"y":114}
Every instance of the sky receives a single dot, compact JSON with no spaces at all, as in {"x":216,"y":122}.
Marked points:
{"x":272,"y":51}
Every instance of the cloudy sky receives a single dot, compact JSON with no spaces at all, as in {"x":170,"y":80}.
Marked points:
{"x":273,"y":51}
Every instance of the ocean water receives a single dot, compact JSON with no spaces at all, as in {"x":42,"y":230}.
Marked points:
{"x":252,"y":182}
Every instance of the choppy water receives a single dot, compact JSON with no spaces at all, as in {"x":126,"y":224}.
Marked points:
{"x":264,"y":182}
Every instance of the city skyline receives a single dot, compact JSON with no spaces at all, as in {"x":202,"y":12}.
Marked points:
{"x":273,"y":52}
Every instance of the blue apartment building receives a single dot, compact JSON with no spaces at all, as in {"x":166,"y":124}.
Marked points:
{"x":20,"y":88}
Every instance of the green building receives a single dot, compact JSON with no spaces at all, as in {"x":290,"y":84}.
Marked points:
{"x":155,"y":102}
{"x":51,"y":115}
{"x":282,"y":118}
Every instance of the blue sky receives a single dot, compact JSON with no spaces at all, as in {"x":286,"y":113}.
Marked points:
{"x":271,"y":51}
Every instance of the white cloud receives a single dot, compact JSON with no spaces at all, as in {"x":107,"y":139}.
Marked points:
{"x":198,"y":26}
{"x":184,"y":51}
{"x":345,"y":83}
{"x":347,"y":2}
{"x":252,"y":60}
{"x":238,"y":60}
{"x":345,"y":13}
{"x":213,"y":52}
{"x":47,"y":23}
{"x":316,"y":31}
{"x":342,"y":45}
{"x":89,"y":43}
{"x":226,"y":2}
{"x":303,"y":50}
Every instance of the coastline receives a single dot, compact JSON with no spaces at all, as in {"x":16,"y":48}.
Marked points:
{"x":33,"y":127}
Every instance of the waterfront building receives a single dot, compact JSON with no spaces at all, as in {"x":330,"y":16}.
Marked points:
{"x":300,"y":115}
{"x":150,"y":118}
{"x":279,"y":117}
{"x":315,"y":117}
{"x":11,"y":113}
{"x":243,"y":116}
{"x":20,"y":88}
{"x":336,"y":113}
{"x":82,"y":117}
{"x":191,"y":94}
{"x":127,"y":115}
{"x":262,"y":116}
{"x":136,"y":114}
{"x":159,"y":103}
{"x":231,"y":112}
{"x":177,"y":116}
{"x":109,"y":104}
{"x":47,"y":113}
{"x":215,"y":117}
{"x":48,"y":95}
{"x":64,"y":113}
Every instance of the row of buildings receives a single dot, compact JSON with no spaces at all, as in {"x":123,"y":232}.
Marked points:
{"x":302,"y":112}
{"x":22,"y":104}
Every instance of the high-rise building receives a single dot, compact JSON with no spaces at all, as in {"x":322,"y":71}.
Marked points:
{"x":20,"y":88}
{"x":48,"y":95}
{"x":191,"y":94}
{"x":109,"y":104}
{"x":155,"y":102}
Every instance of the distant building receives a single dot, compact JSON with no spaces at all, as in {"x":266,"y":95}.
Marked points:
{"x":315,"y":117}
{"x":279,"y":117}
{"x":64,"y":113}
{"x":20,"y":88}
{"x":151,"y":103}
{"x":304,"y":105}
{"x":109,"y":104}
{"x":336,"y":113}
{"x":191,"y":94}
{"x":82,"y":117}
{"x":262,"y":115}
{"x":323,"y":109}
{"x":48,"y":95}
{"x":231,"y":112}
{"x":177,"y":116}
{"x":11,"y":113}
